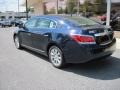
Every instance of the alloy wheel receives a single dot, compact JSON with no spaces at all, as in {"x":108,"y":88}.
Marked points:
{"x":56,"y":57}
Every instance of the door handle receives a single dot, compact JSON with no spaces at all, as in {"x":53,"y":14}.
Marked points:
{"x":45,"y":35}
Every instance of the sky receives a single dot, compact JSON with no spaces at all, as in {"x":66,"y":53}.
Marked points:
{"x":12,"y":5}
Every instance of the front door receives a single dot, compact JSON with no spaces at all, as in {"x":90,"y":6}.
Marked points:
{"x":25,"y":33}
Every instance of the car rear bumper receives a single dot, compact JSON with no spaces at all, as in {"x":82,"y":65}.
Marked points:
{"x":84,"y":53}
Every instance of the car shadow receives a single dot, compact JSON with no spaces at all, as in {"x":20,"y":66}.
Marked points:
{"x":104,"y":69}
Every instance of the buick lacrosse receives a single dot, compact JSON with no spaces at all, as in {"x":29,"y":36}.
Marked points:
{"x":66,"y":39}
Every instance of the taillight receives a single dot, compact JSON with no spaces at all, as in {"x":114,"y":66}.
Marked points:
{"x":84,"y":39}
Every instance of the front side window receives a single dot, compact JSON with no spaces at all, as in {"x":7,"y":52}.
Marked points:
{"x":31,"y":23}
{"x":45,"y":23}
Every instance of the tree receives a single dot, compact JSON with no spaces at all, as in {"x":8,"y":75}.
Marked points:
{"x":71,"y":4}
{"x":100,"y":6}
{"x":65,"y":10}
{"x":87,"y":6}
{"x":60,"y":10}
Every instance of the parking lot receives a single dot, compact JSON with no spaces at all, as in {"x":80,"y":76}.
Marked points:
{"x":26,"y":70}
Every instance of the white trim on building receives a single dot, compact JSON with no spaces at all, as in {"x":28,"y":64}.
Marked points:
{"x":12,"y":15}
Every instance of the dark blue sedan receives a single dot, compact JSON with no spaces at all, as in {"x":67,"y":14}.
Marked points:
{"x":66,"y":39}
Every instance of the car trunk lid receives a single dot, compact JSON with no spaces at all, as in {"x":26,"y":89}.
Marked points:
{"x":101,"y":34}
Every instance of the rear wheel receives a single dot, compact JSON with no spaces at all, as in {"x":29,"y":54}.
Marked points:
{"x":56,"y":57}
{"x":17,"y":42}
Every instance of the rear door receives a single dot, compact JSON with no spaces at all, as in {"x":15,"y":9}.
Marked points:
{"x":42,"y":34}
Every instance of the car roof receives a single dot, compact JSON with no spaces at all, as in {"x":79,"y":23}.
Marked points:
{"x":53,"y":17}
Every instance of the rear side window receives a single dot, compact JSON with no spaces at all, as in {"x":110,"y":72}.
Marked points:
{"x":31,"y":23}
{"x":52,"y":24}
{"x":45,"y":23}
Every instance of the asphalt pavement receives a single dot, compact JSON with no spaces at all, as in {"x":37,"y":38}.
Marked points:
{"x":26,"y":70}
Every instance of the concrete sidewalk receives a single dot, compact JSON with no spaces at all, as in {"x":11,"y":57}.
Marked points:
{"x":118,"y":43}
{"x":117,"y":34}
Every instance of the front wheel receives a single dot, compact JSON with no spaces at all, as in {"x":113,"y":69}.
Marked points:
{"x":56,"y":57}
{"x":17,"y":42}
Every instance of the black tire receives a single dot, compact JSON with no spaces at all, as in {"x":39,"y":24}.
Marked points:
{"x":17,"y":42}
{"x":54,"y":58}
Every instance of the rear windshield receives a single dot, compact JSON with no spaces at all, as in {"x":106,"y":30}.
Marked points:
{"x":79,"y":21}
